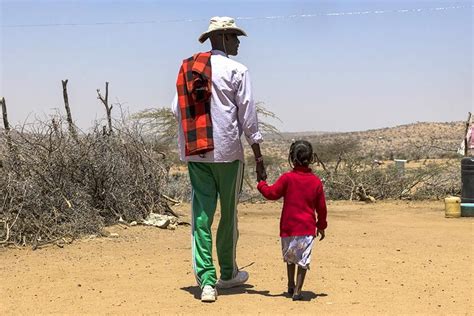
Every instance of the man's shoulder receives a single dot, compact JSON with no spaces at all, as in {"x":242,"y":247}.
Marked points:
{"x":233,"y":64}
{"x":240,"y":67}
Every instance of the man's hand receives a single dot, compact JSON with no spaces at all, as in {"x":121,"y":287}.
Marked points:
{"x":260,"y":169}
{"x":320,"y":232}
{"x":259,"y":166}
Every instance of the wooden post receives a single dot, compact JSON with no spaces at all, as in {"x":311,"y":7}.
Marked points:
{"x":108,"y":108}
{"x":6,"y":124}
{"x":466,"y":143}
{"x":70,"y":123}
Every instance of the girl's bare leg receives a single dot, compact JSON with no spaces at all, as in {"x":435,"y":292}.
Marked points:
{"x":299,"y":283}
{"x":290,"y":268}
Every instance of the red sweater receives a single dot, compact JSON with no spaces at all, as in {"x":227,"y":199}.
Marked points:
{"x":303,"y":194}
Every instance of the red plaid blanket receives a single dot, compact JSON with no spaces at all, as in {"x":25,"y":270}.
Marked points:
{"x":194,"y":86}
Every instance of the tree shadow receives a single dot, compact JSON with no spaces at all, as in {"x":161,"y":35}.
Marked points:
{"x":248,"y":289}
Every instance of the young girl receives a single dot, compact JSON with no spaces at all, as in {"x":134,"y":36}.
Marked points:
{"x":303,"y":194}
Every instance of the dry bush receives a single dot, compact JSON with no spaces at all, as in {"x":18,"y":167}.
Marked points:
{"x":346,"y":165}
{"x":54,"y":185}
{"x":445,"y":180}
{"x":274,"y":167}
{"x":158,"y":124}
{"x":179,"y":186}
{"x":348,"y":175}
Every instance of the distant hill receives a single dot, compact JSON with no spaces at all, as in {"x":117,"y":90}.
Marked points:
{"x":411,"y":141}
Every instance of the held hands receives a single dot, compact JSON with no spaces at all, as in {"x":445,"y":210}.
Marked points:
{"x":260,"y":169}
{"x":259,"y":166}
{"x":320,"y":232}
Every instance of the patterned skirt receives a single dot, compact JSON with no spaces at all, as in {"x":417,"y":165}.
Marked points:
{"x":297,"y":250}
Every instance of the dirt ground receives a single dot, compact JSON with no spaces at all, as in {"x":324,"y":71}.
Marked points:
{"x":383,"y":258}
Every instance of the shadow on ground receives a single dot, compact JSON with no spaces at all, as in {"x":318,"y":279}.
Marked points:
{"x":248,"y":289}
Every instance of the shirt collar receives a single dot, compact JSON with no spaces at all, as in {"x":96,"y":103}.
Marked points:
{"x":302,"y":169}
{"x":218,"y":52}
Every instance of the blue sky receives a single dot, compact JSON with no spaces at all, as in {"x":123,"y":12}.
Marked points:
{"x":324,"y":72}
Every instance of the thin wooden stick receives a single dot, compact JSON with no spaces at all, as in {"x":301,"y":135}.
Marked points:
{"x":176,"y":202}
{"x":72,"y":129}
{"x":108,"y":108}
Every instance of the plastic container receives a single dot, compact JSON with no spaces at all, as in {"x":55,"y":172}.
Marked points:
{"x":467,"y":179}
{"x":467,"y":209}
{"x":452,"y":206}
{"x":400,"y":165}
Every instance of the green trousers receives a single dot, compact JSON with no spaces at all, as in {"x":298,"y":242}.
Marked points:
{"x":210,"y":181}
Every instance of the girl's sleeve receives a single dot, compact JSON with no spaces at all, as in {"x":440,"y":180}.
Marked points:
{"x":321,"y":209}
{"x":275,"y":191}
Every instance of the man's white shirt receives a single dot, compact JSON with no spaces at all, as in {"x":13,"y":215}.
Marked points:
{"x":233,"y":112}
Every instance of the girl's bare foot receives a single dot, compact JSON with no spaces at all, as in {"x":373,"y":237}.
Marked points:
{"x":290,"y":268}
{"x":291,"y":290}
{"x":299,"y":284}
{"x":297,"y":297}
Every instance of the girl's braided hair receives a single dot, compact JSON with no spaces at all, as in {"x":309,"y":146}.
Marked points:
{"x":301,"y":153}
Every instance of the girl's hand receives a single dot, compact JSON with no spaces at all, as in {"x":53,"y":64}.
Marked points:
{"x":320,"y":232}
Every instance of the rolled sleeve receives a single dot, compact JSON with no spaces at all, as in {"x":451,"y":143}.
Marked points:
{"x":247,"y":110}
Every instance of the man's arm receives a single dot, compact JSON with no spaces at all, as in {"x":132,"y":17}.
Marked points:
{"x":247,"y":114}
{"x":259,"y":165}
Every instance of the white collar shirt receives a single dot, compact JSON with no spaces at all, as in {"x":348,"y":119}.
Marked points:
{"x":233,"y":112}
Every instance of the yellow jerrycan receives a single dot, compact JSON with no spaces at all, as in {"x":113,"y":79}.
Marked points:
{"x":452,"y":206}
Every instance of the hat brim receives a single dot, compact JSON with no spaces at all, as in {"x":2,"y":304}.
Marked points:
{"x":228,"y":30}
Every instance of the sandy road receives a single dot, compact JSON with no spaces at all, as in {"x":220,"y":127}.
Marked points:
{"x":390,"y":258}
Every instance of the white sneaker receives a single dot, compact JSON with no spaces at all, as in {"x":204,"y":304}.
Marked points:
{"x":240,"y":278}
{"x":208,"y":294}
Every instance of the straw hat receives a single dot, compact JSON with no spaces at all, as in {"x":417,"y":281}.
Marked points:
{"x":221,"y":23}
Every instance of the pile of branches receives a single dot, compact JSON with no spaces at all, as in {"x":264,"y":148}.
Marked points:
{"x":58,"y":183}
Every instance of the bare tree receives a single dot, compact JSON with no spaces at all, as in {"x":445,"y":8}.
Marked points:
{"x":159,"y":123}
{"x":108,"y":108}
